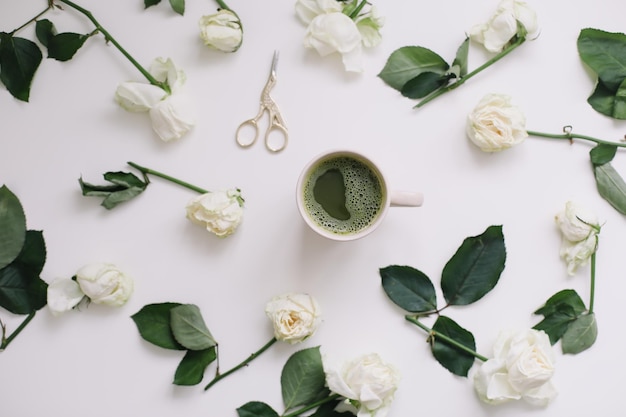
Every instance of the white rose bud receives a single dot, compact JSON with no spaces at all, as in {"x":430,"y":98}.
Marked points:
{"x":579,"y":229}
{"x":336,"y":32}
{"x":63,"y":294}
{"x":295,"y":317}
{"x":367,"y":383}
{"x":105,"y":284}
{"x":495,"y":124}
{"x":221,"y":31}
{"x":522,"y":368}
{"x":502,"y":27}
{"x":219,"y":212}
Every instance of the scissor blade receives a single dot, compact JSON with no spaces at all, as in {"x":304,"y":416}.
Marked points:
{"x":274,"y":63}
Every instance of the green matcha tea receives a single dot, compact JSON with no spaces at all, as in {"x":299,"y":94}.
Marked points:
{"x":343,"y":195}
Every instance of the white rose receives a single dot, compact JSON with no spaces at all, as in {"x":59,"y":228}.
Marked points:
{"x":579,"y":229}
{"x":295,"y":317}
{"x":307,"y":10}
{"x":221,"y":31}
{"x":63,"y":294}
{"x":105,"y":284}
{"x":336,"y":32}
{"x":369,"y":25}
{"x":521,"y":368}
{"x":171,"y":113}
{"x":502,"y":27}
{"x":367,"y":383}
{"x":495,"y":124}
{"x":220,"y":212}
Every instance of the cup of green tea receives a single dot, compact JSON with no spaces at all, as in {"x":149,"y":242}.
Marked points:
{"x":343,"y":195}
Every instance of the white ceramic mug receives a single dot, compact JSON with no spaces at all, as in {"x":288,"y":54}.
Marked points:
{"x":360,"y":168}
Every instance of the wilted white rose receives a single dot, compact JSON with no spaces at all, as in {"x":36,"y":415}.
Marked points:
{"x":335,"y":32}
{"x":369,"y":25}
{"x":221,"y":31}
{"x":579,"y":229}
{"x":502,"y":27}
{"x":63,"y":294}
{"x":105,"y":284}
{"x":307,"y":10}
{"x":367,"y":383}
{"x":171,"y":113}
{"x":495,"y":124}
{"x":521,"y":368}
{"x":220,"y":212}
{"x":294,"y":317}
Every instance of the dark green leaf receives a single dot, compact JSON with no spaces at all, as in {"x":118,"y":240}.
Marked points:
{"x":63,"y":46}
{"x":153,"y":323}
{"x":602,"y":154}
{"x":555,"y":324}
{"x":12,"y":226}
{"x":44,"y":29}
{"x":19,"y":60}
{"x":562,"y":298}
{"x":148,"y":3}
{"x":178,"y":6}
{"x":605,"y":53}
{"x":450,"y":357}
{"x":607,"y":102}
{"x":191,"y":368}
{"x":580,"y":335}
{"x":328,"y":410}
{"x":256,"y":409}
{"x":424,"y":84}
{"x":461,"y":57}
{"x":409,"y":288}
{"x":189,"y":329}
{"x":22,"y":291}
{"x":125,"y":186}
{"x":475,"y":268}
{"x":408,"y":62}
{"x":611,"y":186}
{"x":302,"y":378}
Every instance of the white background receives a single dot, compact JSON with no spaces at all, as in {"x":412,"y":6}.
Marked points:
{"x":94,"y":362}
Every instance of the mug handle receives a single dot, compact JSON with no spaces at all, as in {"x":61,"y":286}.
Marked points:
{"x":406,"y":199}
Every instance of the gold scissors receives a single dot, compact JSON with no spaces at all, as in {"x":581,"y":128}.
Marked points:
{"x":276,"y":122}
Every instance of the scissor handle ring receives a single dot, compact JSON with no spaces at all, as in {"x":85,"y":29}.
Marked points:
{"x":254,"y":124}
{"x":283,"y":130}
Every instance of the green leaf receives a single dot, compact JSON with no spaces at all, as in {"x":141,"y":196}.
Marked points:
{"x":12,"y":226}
{"x":424,"y":84}
{"x":409,"y":288}
{"x":302,"y":379}
{"x":125,"y":186}
{"x":611,"y":186}
{"x":44,"y":30}
{"x":580,"y":335}
{"x":605,"y":53}
{"x":148,"y":3}
{"x":408,"y":62}
{"x":63,"y":46}
{"x":19,"y":60}
{"x":462,"y":57}
{"x":602,"y":154}
{"x":22,"y":291}
{"x":178,"y":6}
{"x":153,"y":323}
{"x":556,"y":324}
{"x":475,"y":268}
{"x":563,"y":298}
{"x":450,"y":357}
{"x":189,"y":328}
{"x":607,"y":102}
{"x":328,"y":410}
{"x":256,"y":409}
{"x":191,"y":368}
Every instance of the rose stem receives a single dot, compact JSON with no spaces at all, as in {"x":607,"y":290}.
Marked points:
{"x":149,"y":171}
{"x":445,"y":338}
{"x":50,"y":6}
{"x":219,"y":377}
{"x":313,"y":405}
{"x":5,"y":342}
{"x":567,"y":135}
{"x":109,"y":38}
{"x":592,"y":290}
{"x":461,"y":80}
{"x":356,"y":11}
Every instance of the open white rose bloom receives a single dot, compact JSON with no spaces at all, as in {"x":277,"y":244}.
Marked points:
{"x":172,"y":114}
{"x":295,"y":317}
{"x":367,"y":382}
{"x":220,"y":212}
{"x":579,"y":229}
{"x":521,"y":368}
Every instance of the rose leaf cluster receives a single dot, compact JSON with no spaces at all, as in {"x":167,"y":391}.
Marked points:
{"x":343,"y":27}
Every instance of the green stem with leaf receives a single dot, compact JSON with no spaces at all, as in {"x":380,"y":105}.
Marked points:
{"x":7,"y":340}
{"x":312,"y":406}
{"x":115,"y":43}
{"x":568,"y":135}
{"x":34,"y":19}
{"x":219,"y":376}
{"x":358,"y":9}
{"x":147,"y":171}
{"x":445,"y":338}
{"x":459,"y":81}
